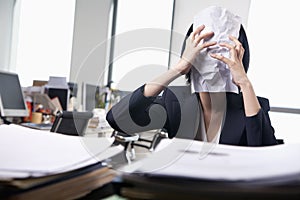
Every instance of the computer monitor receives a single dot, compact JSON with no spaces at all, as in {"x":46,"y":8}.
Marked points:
{"x":12,"y":103}
{"x":61,"y":93}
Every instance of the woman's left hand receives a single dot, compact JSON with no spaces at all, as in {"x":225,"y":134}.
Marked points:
{"x":235,"y":61}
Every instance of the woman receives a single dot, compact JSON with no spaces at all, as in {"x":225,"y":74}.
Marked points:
{"x":221,"y":117}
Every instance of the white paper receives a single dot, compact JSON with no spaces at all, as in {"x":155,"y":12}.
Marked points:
{"x":27,"y":152}
{"x":209,"y":74}
{"x":195,"y":159}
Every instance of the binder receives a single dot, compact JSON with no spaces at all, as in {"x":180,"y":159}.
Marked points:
{"x":38,"y":164}
{"x":68,"y":185}
{"x":145,"y":186}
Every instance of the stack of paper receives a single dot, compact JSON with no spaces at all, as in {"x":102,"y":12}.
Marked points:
{"x":190,"y":158}
{"x":191,"y":168}
{"x":31,"y":158}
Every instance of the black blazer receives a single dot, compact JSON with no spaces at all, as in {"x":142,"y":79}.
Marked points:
{"x":177,"y":111}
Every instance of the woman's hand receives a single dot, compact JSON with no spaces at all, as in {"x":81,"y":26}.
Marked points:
{"x":239,"y":76}
{"x":235,"y":62}
{"x":192,"y":49}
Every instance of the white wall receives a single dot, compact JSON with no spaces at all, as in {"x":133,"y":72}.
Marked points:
{"x":6,"y":19}
{"x":183,"y":17}
{"x":89,"y":53}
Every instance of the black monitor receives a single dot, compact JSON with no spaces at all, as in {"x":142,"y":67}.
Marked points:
{"x":12,"y":103}
{"x":61,"y":93}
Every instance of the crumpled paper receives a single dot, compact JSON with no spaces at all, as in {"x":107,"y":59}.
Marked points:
{"x":209,"y":74}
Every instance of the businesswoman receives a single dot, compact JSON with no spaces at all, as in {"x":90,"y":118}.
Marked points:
{"x":220,"y":117}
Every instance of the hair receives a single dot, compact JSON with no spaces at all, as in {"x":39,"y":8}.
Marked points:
{"x":242,"y":38}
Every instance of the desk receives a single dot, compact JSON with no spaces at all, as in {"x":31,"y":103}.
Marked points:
{"x":233,"y":184}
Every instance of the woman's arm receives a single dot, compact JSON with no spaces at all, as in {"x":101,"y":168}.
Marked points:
{"x":258,"y":126}
{"x":239,"y":75}
{"x":136,"y":113}
{"x":184,"y":65}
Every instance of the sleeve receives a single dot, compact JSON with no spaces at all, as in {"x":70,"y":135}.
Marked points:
{"x":137,"y":113}
{"x":258,"y":127}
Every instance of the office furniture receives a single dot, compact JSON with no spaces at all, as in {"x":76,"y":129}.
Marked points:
{"x":71,"y":123}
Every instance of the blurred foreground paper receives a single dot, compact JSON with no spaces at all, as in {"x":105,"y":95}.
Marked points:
{"x":199,"y":160}
{"x":27,"y":152}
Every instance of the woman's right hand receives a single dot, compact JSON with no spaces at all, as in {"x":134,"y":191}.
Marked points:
{"x":192,"y":49}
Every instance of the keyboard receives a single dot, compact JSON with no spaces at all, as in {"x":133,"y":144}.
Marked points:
{"x":41,"y":126}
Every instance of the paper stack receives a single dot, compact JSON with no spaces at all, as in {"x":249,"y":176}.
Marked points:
{"x":38,"y":163}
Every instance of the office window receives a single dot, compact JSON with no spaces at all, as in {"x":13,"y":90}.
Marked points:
{"x":273,"y":37}
{"x":43,"y":36}
{"x":286,"y":126}
{"x":141,"y":21}
{"x":6,"y":21}
{"x":274,"y":71}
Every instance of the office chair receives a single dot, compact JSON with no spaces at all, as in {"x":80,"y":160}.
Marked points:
{"x":280,"y":141}
{"x":71,"y":123}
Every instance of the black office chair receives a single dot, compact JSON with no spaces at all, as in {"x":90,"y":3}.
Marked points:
{"x":280,"y":141}
{"x":71,"y":123}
